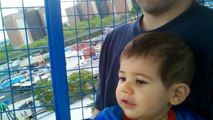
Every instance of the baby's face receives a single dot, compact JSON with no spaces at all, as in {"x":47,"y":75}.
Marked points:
{"x":140,"y":92}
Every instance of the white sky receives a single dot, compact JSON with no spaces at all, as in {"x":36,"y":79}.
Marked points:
{"x":27,"y":3}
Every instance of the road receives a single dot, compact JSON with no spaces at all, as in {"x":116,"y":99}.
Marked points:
{"x":88,"y":66}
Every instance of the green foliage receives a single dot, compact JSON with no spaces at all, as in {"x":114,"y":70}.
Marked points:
{"x":107,"y":21}
{"x":4,"y":48}
{"x":39,"y":42}
{"x":13,"y":54}
{"x":122,"y":18}
{"x":44,"y":94}
{"x":85,"y":81}
{"x":80,"y":84}
{"x":81,"y":26}
{"x":69,"y":32}
{"x":3,"y":54}
{"x":65,"y":25}
{"x":94,"y":22}
{"x":134,"y":10}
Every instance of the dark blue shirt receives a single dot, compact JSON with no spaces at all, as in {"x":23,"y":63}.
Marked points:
{"x":196,"y":26}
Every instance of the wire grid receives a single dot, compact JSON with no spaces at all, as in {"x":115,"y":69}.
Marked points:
{"x":26,"y":82}
{"x":24,"y":60}
{"x":82,"y":26}
{"x":88,"y":22}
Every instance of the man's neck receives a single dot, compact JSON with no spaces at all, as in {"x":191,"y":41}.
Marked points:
{"x":151,"y":22}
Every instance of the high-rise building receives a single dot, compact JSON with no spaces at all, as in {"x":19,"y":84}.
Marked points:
{"x":79,"y":12}
{"x":14,"y":25}
{"x":42,"y":14}
{"x":102,"y":7}
{"x":130,"y":4}
{"x":83,"y":10}
{"x":24,"y":31}
{"x":95,"y":8}
{"x":86,"y":10}
{"x":118,"y":7}
{"x":35,"y":24}
{"x":72,"y":15}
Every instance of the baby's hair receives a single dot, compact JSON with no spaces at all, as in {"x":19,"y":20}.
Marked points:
{"x":176,"y":59}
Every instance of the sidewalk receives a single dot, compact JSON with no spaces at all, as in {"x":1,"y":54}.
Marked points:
{"x":76,"y":114}
{"x":20,"y":114}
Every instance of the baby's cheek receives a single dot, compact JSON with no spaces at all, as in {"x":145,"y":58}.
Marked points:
{"x":118,"y":94}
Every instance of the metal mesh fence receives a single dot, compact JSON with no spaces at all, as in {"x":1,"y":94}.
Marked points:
{"x":49,"y":55}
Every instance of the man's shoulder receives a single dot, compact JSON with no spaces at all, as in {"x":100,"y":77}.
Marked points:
{"x":125,"y":31}
{"x":204,"y":12}
{"x":125,"y":27}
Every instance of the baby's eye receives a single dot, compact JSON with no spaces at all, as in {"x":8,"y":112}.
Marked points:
{"x":140,"y":82}
{"x":122,"y":78}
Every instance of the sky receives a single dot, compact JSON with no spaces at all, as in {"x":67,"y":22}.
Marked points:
{"x":27,"y":3}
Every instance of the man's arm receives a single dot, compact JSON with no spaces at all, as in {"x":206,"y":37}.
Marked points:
{"x":99,"y":102}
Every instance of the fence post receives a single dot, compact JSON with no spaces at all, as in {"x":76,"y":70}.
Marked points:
{"x":57,"y":59}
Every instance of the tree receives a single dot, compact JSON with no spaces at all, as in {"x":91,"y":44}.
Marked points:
{"x":135,"y":9}
{"x":44,"y":94}
{"x":81,"y":84}
{"x":65,"y":25}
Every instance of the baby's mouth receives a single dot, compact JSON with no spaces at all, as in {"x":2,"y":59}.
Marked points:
{"x":127,"y":104}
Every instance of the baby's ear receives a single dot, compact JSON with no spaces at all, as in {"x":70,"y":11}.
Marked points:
{"x":180,"y":92}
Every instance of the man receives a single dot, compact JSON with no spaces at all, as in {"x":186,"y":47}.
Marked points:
{"x":182,"y":17}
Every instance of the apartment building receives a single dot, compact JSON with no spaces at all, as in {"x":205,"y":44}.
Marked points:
{"x":72,"y":15}
{"x":88,"y":9}
{"x":16,"y":23}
